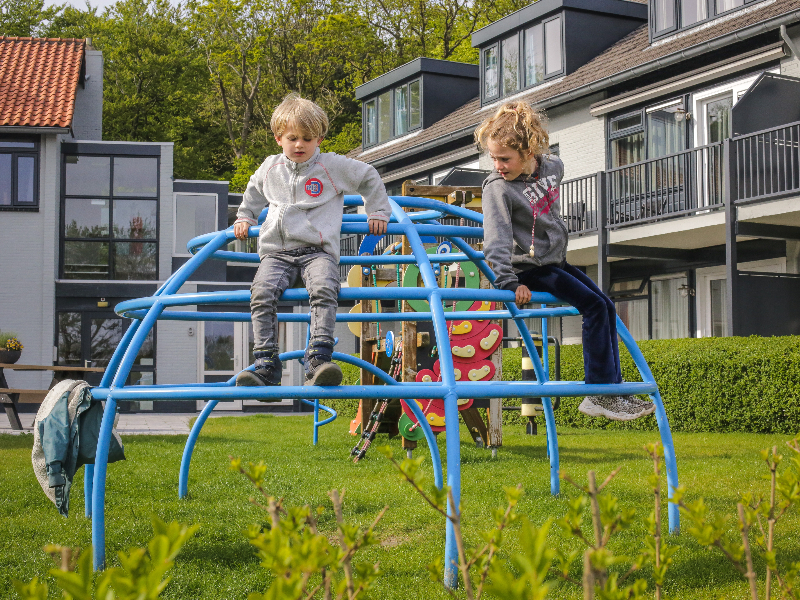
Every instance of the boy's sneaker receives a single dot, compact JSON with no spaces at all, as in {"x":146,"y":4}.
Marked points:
{"x":616,"y":408}
{"x":320,"y":370}
{"x":267,"y":371}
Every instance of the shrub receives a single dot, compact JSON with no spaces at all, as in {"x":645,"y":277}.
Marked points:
{"x":718,"y":385}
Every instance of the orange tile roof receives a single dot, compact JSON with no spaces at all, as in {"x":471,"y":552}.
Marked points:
{"x":38,"y":80}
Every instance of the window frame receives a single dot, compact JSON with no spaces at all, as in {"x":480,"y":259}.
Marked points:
{"x":678,"y":6}
{"x":520,"y":34}
{"x":16,"y":154}
{"x":642,"y":111}
{"x":392,"y":90}
{"x":175,"y":251}
{"x":111,"y":240}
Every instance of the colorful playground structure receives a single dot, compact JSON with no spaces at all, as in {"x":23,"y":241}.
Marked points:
{"x":458,"y":338}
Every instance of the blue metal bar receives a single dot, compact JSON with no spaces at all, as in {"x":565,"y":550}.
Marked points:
{"x":661,"y":419}
{"x":244,"y":317}
{"x":541,"y":376}
{"x":188,"y":449}
{"x":381,"y":293}
{"x":473,"y":389}
{"x":448,"y":380}
{"x":138,"y":336}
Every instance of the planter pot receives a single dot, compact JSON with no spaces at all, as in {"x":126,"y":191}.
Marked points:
{"x":9,"y":357}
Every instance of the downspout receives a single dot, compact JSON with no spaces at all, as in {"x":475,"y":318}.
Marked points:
{"x":790,"y":43}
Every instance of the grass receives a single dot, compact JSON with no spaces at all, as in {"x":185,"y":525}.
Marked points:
{"x":219,"y":562}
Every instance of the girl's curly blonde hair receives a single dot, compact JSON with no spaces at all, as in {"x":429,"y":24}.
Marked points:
{"x":518,"y":126}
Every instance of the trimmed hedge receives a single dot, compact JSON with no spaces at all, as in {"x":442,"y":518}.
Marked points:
{"x":707,"y":385}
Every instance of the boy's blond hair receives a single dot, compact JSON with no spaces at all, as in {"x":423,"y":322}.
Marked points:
{"x":304,"y":115}
{"x":518,"y":126}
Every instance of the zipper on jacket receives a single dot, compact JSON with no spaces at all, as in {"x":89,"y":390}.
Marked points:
{"x":280,"y":227}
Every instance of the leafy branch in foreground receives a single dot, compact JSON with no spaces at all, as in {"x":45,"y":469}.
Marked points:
{"x":142,"y":574}
{"x":753,"y":512}
{"x":304,"y":562}
{"x":521,"y":576}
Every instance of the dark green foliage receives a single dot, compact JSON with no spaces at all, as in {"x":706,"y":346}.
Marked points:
{"x":723,"y":385}
{"x":707,"y":385}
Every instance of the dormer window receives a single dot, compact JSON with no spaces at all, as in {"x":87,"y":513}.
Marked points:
{"x":393,"y":113}
{"x":669,"y":16}
{"x":524,"y":59}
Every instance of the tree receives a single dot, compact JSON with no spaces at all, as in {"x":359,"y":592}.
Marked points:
{"x":26,"y":18}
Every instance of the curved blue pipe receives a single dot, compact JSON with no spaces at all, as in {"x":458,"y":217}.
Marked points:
{"x":541,"y":376}
{"x":413,"y":225}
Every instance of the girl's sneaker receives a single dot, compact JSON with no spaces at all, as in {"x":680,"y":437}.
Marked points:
{"x":616,"y":408}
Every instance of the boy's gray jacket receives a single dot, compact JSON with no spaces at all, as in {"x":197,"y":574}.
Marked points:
{"x":508,"y":221}
{"x":306,"y":200}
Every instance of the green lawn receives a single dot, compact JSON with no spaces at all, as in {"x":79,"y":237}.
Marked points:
{"x":220,"y":563}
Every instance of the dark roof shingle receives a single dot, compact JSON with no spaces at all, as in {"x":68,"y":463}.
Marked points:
{"x":38,"y":80}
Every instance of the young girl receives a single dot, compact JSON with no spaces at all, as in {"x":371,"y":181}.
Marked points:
{"x":525,"y":240}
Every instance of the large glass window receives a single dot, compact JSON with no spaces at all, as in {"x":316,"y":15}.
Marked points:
{"x":627,"y":140}
{"x":195,"y":214}
{"x":670,"y":309}
{"x":90,"y":338}
{"x":693,"y":11}
{"x":510,"y":65}
{"x":666,"y":129}
{"x":19,"y":172}
{"x":718,"y":119}
{"x":370,"y":123}
{"x":527,"y":59}
{"x":657,"y":131}
{"x":384,"y":116}
{"x":490,"y":87}
{"x":552,"y":47}
{"x":401,"y":110}
{"x":636,"y":316}
{"x":392,"y":113}
{"x":110,"y":218}
{"x":414,"y":107}
{"x":668,"y":16}
{"x":664,"y":15}
{"x":534,"y":55}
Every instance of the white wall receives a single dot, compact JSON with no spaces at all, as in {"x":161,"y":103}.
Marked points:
{"x":87,"y":122}
{"x":580,"y":136}
{"x":28,"y":251}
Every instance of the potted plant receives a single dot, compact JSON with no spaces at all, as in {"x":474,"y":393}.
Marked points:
{"x":10,"y":348}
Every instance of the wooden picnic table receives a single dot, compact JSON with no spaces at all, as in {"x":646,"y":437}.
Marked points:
{"x":11,"y":396}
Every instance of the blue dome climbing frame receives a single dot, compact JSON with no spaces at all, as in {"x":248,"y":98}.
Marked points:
{"x":413,"y":225}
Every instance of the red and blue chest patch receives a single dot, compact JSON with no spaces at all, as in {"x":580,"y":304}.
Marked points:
{"x":313,"y":187}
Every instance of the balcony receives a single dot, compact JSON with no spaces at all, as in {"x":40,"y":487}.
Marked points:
{"x":746,"y":169}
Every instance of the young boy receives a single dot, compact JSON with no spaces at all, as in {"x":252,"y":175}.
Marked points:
{"x":300,"y":236}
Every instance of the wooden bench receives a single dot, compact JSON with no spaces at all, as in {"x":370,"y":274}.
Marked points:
{"x":10,"y":397}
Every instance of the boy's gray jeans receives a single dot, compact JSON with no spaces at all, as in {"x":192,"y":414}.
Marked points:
{"x":279,"y":271}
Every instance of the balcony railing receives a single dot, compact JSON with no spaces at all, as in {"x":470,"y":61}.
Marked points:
{"x":761,"y":166}
{"x":579,"y":203}
{"x":764,"y":164}
{"x":678,"y":184}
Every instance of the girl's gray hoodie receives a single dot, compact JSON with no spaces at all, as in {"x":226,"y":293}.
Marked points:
{"x":508,"y":221}
{"x":306,"y":200}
